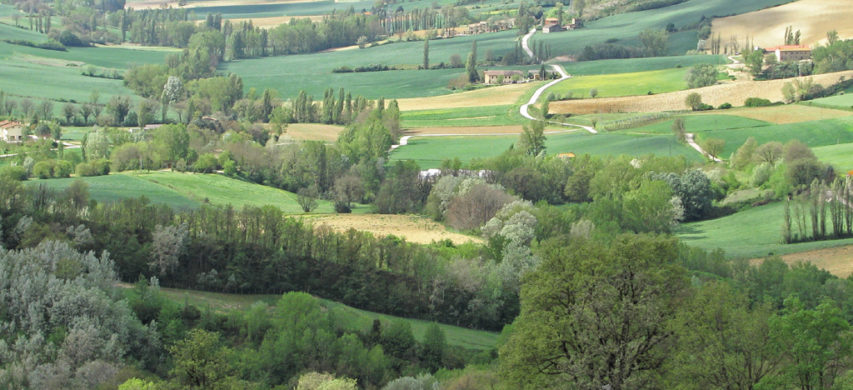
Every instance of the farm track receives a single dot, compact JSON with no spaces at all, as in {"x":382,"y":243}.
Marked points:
{"x":563,"y":76}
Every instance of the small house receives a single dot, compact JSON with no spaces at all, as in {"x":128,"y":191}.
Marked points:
{"x":551,"y":27}
{"x":502,"y":76}
{"x":11,"y":131}
{"x":790,"y":53}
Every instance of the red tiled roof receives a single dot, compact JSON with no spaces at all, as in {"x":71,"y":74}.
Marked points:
{"x":8,"y":124}
{"x":788,"y":48}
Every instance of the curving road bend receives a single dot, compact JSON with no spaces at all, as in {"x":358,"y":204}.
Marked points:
{"x":536,"y":95}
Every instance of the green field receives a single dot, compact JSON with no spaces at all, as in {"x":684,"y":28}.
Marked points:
{"x":115,"y":187}
{"x":28,"y":72}
{"x":222,"y":190}
{"x":751,"y":233}
{"x":698,"y":123}
{"x":313,"y":72}
{"x":813,"y":133}
{"x":187,"y":190}
{"x":357,"y":319}
{"x":839,"y":156}
{"x":429,"y":152}
{"x":623,"y":84}
{"x":630,"y":65}
{"x":462,"y":117}
{"x":838,"y":101}
{"x":625,"y":27}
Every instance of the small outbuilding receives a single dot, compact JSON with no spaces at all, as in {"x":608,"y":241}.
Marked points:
{"x":790,"y":53}
{"x":11,"y":131}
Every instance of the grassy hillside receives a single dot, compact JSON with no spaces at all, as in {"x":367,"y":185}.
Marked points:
{"x":429,"y":152}
{"x":115,"y":187}
{"x":59,"y":72}
{"x":840,"y":156}
{"x":625,"y":27}
{"x":695,"y":123}
{"x":812,"y":133}
{"x":313,"y":72}
{"x":751,"y":233}
{"x":623,"y":84}
{"x":358,"y":319}
{"x":838,"y":101}
{"x":460,"y":117}
{"x":638,"y":64}
{"x":219,"y":189}
{"x":187,"y":190}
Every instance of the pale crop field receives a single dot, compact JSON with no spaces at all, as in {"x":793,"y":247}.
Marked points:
{"x":814,"y":18}
{"x":838,"y":261}
{"x":789,"y":113}
{"x":312,"y":132}
{"x":734,"y":93}
{"x":413,"y":228}
{"x":157,"y":4}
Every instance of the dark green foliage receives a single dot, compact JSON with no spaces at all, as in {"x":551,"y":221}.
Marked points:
{"x":757,"y":102}
{"x":701,"y":75}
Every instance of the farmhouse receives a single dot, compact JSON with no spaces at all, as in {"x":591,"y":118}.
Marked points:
{"x":11,"y":131}
{"x":502,"y":76}
{"x":552,"y":27}
{"x":787,"y":53}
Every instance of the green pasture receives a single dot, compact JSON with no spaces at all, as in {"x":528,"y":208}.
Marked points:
{"x":755,"y":232}
{"x":838,"y":101}
{"x":222,"y":190}
{"x":625,"y":27}
{"x":357,"y":319}
{"x":462,"y":117}
{"x":839,"y":156}
{"x":623,"y":84}
{"x":630,"y":65}
{"x":188,"y":190}
{"x":115,"y":187}
{"x":304,"y":8}
{"x":813,"y":133}
{"x":429,"y":152}
{"x":34,"y":73}
{"x":313,"y":72}
{"x":698,"y":123}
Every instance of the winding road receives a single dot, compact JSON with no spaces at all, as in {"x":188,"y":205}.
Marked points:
{"x":536,"y":95}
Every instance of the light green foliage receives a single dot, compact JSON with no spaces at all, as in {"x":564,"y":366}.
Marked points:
{"x":702,"y":75}
{"x":171,"y":143}
{"x":648,"y":208}
{"x":564,"y":334}
{"x":745,"y":154}
{"x":654,"y":42}
{"x":532,"y":138}
{"x":200,"y":360}
{"x":317,"y":381}
{"x":422,"y":382}
{"x":693,"y":101}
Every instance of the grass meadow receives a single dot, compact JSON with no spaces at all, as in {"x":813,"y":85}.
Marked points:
{"x":630,"y":65}
{"x":838,"y":101}
{"x":462,"y":117}
{"x":839,"y":156}
{"x":812,"y":133}
{"x":755,"y":232}
{"x":187,"y":190}
{"x":429,"y":152}
{"x":697,"y":123}
{"x":624,"y":28}
{"x":360,"y":320}
{"x":623,"y":84}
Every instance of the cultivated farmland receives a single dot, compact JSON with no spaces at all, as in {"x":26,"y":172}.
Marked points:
{"x":623,"y":84}
{"x":413,"y":228}
{"x":734,"y":93}
{"x":813,"y":18}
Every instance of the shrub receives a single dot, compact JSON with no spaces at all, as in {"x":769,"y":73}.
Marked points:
{"x":14,"y":172}
{"x":757,"y":102}
{"x":43,"y":169}
{"x":62,"y":169}
{"x":725,"y":106}
{"x":761,"y":174}
{"x":93,"y":168}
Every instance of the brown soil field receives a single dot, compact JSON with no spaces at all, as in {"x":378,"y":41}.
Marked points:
{"x":789,"y":113}
{"x":313,"y":132}
{"x":838,"y":261}
{"x":492,"y":96}
{"x":734,"y":93}
{"x":814,"y":18}
{"x":412,"y":228}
